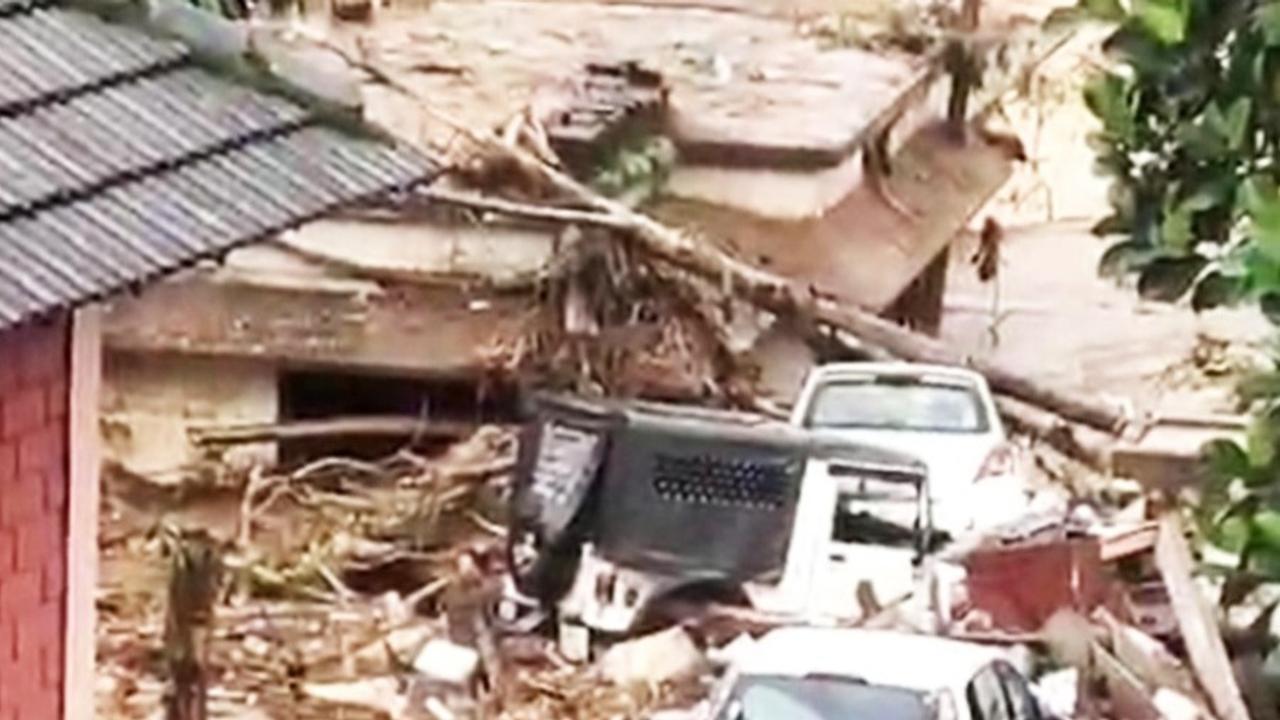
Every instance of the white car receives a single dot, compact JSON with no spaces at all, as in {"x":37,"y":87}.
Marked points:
{"x":945,"y":416}
{"x":809,"y":673}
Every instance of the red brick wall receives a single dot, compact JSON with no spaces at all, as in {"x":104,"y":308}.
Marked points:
{"x":34,"y":375}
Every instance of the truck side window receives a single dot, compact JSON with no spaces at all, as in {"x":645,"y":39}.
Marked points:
{"x":875,"y":512}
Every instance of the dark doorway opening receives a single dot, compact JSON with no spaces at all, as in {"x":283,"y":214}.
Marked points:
{"x":316,"y":395}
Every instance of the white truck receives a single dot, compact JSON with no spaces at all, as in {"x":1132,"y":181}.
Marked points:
{"x":945,"y":416}
{"x":619,"y":505}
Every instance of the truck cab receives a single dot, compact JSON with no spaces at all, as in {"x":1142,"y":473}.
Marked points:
{"x":616,"y":505}
{"x":945,"y":416}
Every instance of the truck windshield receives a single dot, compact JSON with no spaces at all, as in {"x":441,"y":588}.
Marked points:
{"x":899,"y":403}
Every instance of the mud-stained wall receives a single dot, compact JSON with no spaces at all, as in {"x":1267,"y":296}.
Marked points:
{"x":151,"y":400}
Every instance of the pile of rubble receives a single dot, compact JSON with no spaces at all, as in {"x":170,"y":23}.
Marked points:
{"x":350,"y":589}
{"x":354,"y":589}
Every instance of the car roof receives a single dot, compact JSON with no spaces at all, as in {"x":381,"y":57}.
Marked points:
{"x":914,"y":662}
{"x":899,"y":368}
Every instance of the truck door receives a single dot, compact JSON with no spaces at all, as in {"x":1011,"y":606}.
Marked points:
{"x":871,"y":540}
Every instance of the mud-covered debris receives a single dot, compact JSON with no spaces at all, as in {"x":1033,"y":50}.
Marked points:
{"x":448,"y":662}
{"x":1173,"y":705}
{"x":381,"y":694}
{"x":661,"y":657}
{"x":389,"y":652}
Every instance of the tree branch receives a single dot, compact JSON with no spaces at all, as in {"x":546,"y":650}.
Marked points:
{"x":765,"y":290}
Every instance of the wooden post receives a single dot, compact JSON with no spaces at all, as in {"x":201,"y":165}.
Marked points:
{"x":919,"y":307}
{"x":963,"y":64}
{"x":1196,"y":621}
{"x":84,"y":452}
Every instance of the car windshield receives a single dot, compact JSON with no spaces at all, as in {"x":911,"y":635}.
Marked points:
{"x":898,"y":403}
{"x":768,"y":697}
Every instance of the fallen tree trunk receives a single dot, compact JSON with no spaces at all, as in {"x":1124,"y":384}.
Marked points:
{"x":1093,"y":447}
{"x":364,"y":426}
{"x":783,"y":297}
{"x":765,"y":290}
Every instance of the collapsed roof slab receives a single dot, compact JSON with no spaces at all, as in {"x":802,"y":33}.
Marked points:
{"x":863,"y":251}
{"x":750,"y":95}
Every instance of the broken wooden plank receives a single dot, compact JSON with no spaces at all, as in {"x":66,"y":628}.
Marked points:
{"x":1196,"y":621}
{"x":1129,"y":696}
{"x":1147,"y":657}
{"x":392,"y":426}
{"x":1121,"y":541}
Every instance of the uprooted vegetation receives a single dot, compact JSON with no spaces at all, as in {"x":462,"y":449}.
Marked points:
{"x":320,"y":561}
{"x":335,"y":576}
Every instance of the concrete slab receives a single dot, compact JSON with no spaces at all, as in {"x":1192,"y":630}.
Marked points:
{"x":735,"y":77}
{"x":863,"y":250}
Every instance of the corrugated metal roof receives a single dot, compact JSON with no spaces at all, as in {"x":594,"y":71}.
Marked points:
{"x":120,"y":160}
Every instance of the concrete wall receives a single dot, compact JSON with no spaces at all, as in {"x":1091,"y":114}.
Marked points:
{"x":151,"y":400}
{"x":34,"y":381}
{"x":797,"y":194}
{"x":493,"y":250}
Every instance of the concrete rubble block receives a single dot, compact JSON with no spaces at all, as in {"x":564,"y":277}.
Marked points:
{"x":574,"y":642}
{"x":1173,"y":705}
{"x":1059,"y":692}
{"x":1147,"y":657}
{"x":380,"y":694}
{"x":446,"y":662}
{"x":731,"y":652}
{"x":405,"y":642}
{"x":434,"y":700}
{"x":661,"y":657}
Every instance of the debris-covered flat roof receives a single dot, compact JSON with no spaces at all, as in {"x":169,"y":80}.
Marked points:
{"x":121,"y":159}
{"x":738,"y":81}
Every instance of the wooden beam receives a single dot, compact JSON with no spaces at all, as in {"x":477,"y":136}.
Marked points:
{"x":1130,"y":698}
{"x":84,"y":443}
{"x":1196,"y":621}
{"x":359,"y":426}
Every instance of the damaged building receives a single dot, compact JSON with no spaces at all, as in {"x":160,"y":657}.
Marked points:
{"x":90,"y":212}
{"x":412,"y":318}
